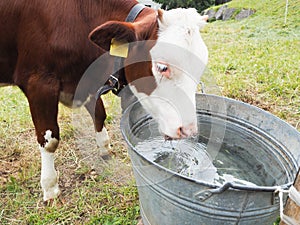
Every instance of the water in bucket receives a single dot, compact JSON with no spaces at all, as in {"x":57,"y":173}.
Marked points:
{"x":236,"y":157}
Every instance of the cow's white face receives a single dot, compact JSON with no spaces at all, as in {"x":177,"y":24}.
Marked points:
{"x":178,"y":60}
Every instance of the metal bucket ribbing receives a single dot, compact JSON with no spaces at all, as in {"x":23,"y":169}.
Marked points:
{"x":168,"y":198}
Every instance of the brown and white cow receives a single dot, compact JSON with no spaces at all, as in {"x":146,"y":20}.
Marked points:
{"x":46,"y":47}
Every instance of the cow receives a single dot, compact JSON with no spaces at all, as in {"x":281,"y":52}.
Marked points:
{"x":47,"y":46}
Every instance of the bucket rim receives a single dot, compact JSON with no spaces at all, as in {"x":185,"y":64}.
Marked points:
{"x":215,"y":188}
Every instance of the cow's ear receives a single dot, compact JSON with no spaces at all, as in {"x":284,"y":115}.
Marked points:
{"x":160,"y":16}
{"x":202,"y":21}
{"x":120,"y":31}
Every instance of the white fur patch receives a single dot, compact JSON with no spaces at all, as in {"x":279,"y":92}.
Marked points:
{"x":103,"y":141}
{"x":49,"y":176}
{"x":51,"y":143}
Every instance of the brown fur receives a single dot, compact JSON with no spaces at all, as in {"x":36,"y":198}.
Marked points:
{"x":44,"y":49}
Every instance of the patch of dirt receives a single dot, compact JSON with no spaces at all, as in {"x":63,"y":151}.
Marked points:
{"x":258,"y":103}
{"x":18,"y":152}
{"x":79,"y":159}
{"x":90,"y":152}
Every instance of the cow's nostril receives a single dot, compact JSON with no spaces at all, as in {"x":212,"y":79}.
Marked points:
{"x":187,"y":131}
{"x":179,"y":131}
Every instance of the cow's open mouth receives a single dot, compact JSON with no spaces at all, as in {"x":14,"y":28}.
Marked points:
{"x":168,"y":138}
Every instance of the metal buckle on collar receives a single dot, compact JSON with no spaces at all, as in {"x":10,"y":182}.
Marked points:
{"x":114,"y":82}
{"x":112,"y":85}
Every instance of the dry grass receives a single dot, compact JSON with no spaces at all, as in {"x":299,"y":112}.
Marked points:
{"x":94,"y":191}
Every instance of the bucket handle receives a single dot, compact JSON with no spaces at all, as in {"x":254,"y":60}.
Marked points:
{"x":202,"y":85}
{"x":205,"y":194}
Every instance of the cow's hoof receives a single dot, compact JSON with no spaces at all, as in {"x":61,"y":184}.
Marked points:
{"x":48,"y":203}
{"x":102,"y":139}
{"x":51,"y":193}
{"x":59,"y":201}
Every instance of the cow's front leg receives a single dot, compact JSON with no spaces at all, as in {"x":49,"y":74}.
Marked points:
{"x":49,"y":176}
{"x":43,"y":98}
{"x":97,"y":111}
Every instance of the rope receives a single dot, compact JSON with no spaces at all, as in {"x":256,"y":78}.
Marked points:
{"x":294,"y":196}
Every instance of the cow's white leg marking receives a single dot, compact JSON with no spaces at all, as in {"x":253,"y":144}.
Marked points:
{"x":49,"y":176}
{"x":103,"y":141}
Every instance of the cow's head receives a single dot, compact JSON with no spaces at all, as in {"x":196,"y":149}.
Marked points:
{"x":166,"y":59}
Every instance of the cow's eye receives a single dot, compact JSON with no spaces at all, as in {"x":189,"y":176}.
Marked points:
{"x":161,"y":67}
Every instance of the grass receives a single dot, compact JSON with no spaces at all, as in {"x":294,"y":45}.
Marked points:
{"x":255,"y":60}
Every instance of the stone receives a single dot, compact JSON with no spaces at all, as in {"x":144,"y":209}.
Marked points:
{"x":211,"y":14}
{"x":227,"y":14}
{"x":245,"y":13}
{"x":219,"y":13}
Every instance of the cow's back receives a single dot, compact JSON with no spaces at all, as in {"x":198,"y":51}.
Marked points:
{"x":50,"y":36}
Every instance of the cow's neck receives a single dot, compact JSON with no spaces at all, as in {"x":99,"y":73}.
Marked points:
{"x":116,"y":10}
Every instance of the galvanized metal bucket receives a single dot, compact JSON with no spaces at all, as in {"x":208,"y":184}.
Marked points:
{"x":168,"y":198}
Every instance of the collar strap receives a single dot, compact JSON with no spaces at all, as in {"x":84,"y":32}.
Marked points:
{"x":134,"y":12}
{"x":112,"y":84}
